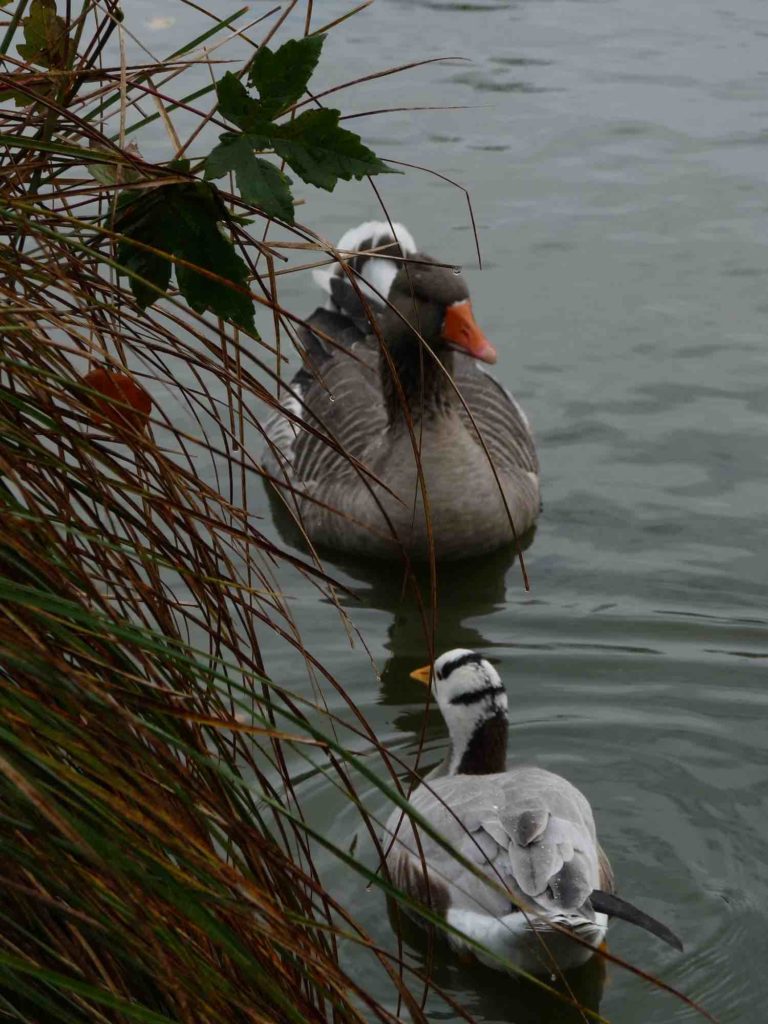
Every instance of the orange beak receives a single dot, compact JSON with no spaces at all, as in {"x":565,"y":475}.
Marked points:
{"x":421,"y":675}
{"x":460,"y":328}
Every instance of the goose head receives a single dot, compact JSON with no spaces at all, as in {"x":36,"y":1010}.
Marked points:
{"x":435,"y":301}
{"x":431,"y":302}
{"x":473,"y":703}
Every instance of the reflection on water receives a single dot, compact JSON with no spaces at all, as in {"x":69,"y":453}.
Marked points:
{"x":466,"y":590}
{"x":497,"y":997}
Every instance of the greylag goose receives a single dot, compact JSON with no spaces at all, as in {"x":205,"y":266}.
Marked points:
{"x":349,"y":393}
{"x":528,"y":830}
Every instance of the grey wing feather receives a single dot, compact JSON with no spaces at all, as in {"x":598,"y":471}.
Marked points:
{"x":338,"y":396}
{"x":343,"y":398}
{"x":461,"y":826}
{"x":530,"y":825}
{"x":557,"y":864}
{"x":502,"y":423}
{"x":411,"y":875}
{"x":533,"y":830}
{"x":346,"y":406}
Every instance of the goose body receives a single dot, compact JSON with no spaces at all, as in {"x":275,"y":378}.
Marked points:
{"x":354,"y":390}
{"x":530,"y":832}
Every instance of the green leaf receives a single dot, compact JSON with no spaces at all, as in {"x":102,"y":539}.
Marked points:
{"x":183,"y":221}
{"x":45,"y":36}
{"x":207,"y":247}
{"x":109,"y":171}
{"x":105,"y":174}
{"x":148,"y":265}
{"x":259,"y":181}
{"x":281,"y":76}
{"x":234,"y":102}
{"x":20,"y":99}
{"x":181,"y":166}
{"x":321,"y":152}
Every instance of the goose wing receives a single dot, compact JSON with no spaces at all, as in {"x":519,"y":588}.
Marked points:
{"x":500,"y":419}
{"x":337,"y":395}
{"x":340,"y":394}
{"x":530,"y":831}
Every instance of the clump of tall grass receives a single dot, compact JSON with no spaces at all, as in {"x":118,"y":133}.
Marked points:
{"x":155,"y":866}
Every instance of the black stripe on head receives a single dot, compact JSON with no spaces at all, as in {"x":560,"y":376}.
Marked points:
{"x":385,"y":245}
{"x":473,"y":696}
{"x":471,"y":658}
{"x":358,"y":262}
{"x":344,"y":293}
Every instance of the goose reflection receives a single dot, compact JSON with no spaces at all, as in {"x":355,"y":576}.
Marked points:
{"x":498,"y":999}
{"x":467,"y":591}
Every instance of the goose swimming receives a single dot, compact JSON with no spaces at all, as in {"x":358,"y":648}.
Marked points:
{"x":528,"y":830}
{"x":380,"y":399}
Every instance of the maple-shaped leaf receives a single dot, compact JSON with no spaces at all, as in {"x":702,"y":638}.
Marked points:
{"x":320,"y":151}
{"x":235,"y":104}
{"x":282,"y":75}
{"x":183,"y":220}
{"x":258,"y":181}
{"x":46,"y":41}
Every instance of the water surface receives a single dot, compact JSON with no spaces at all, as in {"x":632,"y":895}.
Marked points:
{"x":616,"y":156}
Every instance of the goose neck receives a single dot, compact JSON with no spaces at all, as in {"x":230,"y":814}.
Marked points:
{"x":484,"y":750}
{"x":408,"y":371}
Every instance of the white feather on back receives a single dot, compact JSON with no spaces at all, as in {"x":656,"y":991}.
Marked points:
{"x":380,"y":273}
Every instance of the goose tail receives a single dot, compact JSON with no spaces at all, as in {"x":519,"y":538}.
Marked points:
{"x":375,"y":273}
{"x":527,"y":941}
{"x":615,"y":906}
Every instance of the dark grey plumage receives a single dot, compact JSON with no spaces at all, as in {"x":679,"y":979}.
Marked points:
{"x":353,"y":398}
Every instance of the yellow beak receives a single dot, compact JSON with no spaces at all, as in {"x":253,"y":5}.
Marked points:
{"x":422,"y":675}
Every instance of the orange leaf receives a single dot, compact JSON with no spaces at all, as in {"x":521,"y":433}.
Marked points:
{"x":124,"y":403}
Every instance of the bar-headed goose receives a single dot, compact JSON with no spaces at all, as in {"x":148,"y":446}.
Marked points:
{"x":379,"y":399}
{"x":529,"y":831}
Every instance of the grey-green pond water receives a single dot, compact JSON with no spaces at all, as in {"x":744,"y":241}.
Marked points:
{"x":617,"y":157}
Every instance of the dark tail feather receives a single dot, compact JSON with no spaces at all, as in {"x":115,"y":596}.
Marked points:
{"x":615,"y":906}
